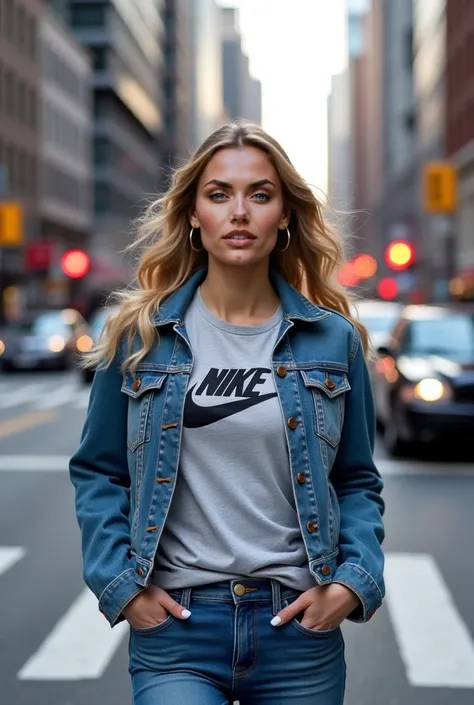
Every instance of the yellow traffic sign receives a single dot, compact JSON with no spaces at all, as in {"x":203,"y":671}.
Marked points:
{"x":11,"y":224}
{"x":439,"y":187}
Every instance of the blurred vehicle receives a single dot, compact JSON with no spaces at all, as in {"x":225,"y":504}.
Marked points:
{"x":424,"y":377}
{"x":96,"y":324}
{"x":379,"y":317}
{"x":50,"y":339}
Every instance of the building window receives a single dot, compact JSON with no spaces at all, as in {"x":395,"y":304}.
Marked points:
{"x":101,"y":150}
{"x":22,"y":116}
{"x":88,"y":15}
{"x":10,"y":94}
{"x":20,"y":27}
{"x":31,"y":37}
{"x":31,"y":176}
{"x":99,"y":58}
{"x":8,"y":23}
{"x":101,"y":198}
{"x":22,"y":181}
{"x":32,"y":108}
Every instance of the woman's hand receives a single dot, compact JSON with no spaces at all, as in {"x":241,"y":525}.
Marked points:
{"x":151,"y":607}
{"x":324,"y":607}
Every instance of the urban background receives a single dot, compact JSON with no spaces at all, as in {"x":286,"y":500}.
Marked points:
{"x":401,"y":148}
{"x":97,"y":101}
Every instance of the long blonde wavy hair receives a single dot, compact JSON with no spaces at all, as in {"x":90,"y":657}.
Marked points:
{"x":310,"y":264}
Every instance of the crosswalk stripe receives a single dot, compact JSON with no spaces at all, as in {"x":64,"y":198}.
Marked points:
{"x":21,"y":395}
{"x":434,"y":642}
{"x":9,"y":555}
{"x":81,"y":645}
{"x":34,"y":463}
{"x":57,"y":397}
{"x":389,"y":466}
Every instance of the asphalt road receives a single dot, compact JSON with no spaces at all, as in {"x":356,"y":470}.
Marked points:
{"x":56,"y":649}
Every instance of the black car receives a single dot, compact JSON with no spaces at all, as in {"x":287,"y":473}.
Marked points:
{"x":49,"y":339}
{"x":423,"y":379}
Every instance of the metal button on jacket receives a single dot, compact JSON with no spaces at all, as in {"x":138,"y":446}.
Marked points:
{"x":281,"y":371}
{"x":292,"y":423}
{"x":137,"y":385}
{"x":239,"y":589}
{"x":326,"y":570}
{"x":330,"y":383}
{"x":301,"y":477}
{"x":311,"y":526}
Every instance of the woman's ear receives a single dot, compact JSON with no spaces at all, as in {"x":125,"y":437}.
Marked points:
{"x":284,"y":220}
{"x":193,"y":220}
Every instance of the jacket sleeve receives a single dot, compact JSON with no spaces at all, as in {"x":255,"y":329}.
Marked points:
{"x":100,"y":475}
{"x":358,"y":486}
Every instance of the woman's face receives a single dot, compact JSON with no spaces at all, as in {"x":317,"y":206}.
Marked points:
{"x":239,"y":206}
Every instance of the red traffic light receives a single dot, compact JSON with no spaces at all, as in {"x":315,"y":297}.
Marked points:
{"x":399,"y":255}
{"x":75,"y":263}
{"x":387,"y":288}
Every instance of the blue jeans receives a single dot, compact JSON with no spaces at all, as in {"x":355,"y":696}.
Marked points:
{"x":228,"y":650}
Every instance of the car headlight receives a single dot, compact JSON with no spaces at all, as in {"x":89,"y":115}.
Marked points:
{"x":84,"y":343}
{"x":56,"y":343}
{"x":431,"y":390}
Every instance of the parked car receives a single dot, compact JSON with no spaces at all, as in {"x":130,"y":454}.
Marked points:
{"x":50,"y":339}
{"x":424,"y":380}
{"x":97,"y":323}
{"x":379,"y":317}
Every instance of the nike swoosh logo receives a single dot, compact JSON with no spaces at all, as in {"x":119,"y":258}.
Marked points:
{"x":196,"y":416}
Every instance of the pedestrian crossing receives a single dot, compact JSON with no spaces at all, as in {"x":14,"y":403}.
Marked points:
{"x":41,"y":395}
{"x":435,"y":643}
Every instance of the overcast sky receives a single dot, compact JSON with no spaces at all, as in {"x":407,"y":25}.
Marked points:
{"x":294,"y":47}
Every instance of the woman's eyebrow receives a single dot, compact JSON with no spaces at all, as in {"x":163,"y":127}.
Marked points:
{"x":225,"y":184}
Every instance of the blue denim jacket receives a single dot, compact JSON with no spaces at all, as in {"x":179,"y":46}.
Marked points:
{"x":126,"y":466}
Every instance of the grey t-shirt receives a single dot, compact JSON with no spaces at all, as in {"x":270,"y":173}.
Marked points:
{"x":233,"y":512}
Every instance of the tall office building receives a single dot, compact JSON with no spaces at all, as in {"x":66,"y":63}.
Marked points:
{"x":125,"y":41}
{"x":242,"y":92}
{"x":19,"y":136}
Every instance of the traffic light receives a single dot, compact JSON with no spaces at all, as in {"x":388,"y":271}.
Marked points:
{"x":399,"y":255}
{"x":75,"y":263}
{"x":387,"y":288}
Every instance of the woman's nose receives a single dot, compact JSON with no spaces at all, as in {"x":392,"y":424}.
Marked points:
{"x":240,"y":209}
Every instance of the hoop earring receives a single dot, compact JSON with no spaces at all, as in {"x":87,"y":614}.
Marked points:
{"x":289,"y":240}
{"x":191,"y":242}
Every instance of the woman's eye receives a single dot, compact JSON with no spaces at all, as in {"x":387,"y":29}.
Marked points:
{"x":262,"y":197}
{"x":217,"y":196}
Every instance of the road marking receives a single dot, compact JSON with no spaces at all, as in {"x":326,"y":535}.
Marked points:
{"x":21,"y":395}
{"x":9,"y":556}
{"x":434,"y":642}
{"x":57,"y":397}
{"x":387,"y":467}
{"x":58,"y":463}
{"x":25,"y":422}
{"x":80,"y":646}
{"x":34,"y":463}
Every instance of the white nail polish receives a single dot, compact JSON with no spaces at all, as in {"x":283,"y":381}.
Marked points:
{"x":275,"y":621}
{"x":186,"y":614}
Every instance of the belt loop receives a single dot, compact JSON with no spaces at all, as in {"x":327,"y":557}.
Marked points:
{"x":276,"y":596}
{"x":186,"y":597}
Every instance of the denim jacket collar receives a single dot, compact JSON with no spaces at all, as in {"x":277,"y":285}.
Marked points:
{"x":295,"y":306}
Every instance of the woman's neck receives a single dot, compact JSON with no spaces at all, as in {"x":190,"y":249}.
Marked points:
{"x":239,"y":295}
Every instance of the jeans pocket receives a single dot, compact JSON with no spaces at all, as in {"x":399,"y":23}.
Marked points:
{"x":156,"y":628}
{"x":314,"y":633}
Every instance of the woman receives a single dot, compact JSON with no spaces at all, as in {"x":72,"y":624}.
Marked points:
{"x":226,"y":492}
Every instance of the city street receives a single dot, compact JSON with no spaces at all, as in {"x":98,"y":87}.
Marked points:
{"x":56,"y":648}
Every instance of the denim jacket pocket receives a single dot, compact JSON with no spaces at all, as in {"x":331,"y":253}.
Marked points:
{"x":140,"y":388}
{"x":328,"y":389}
